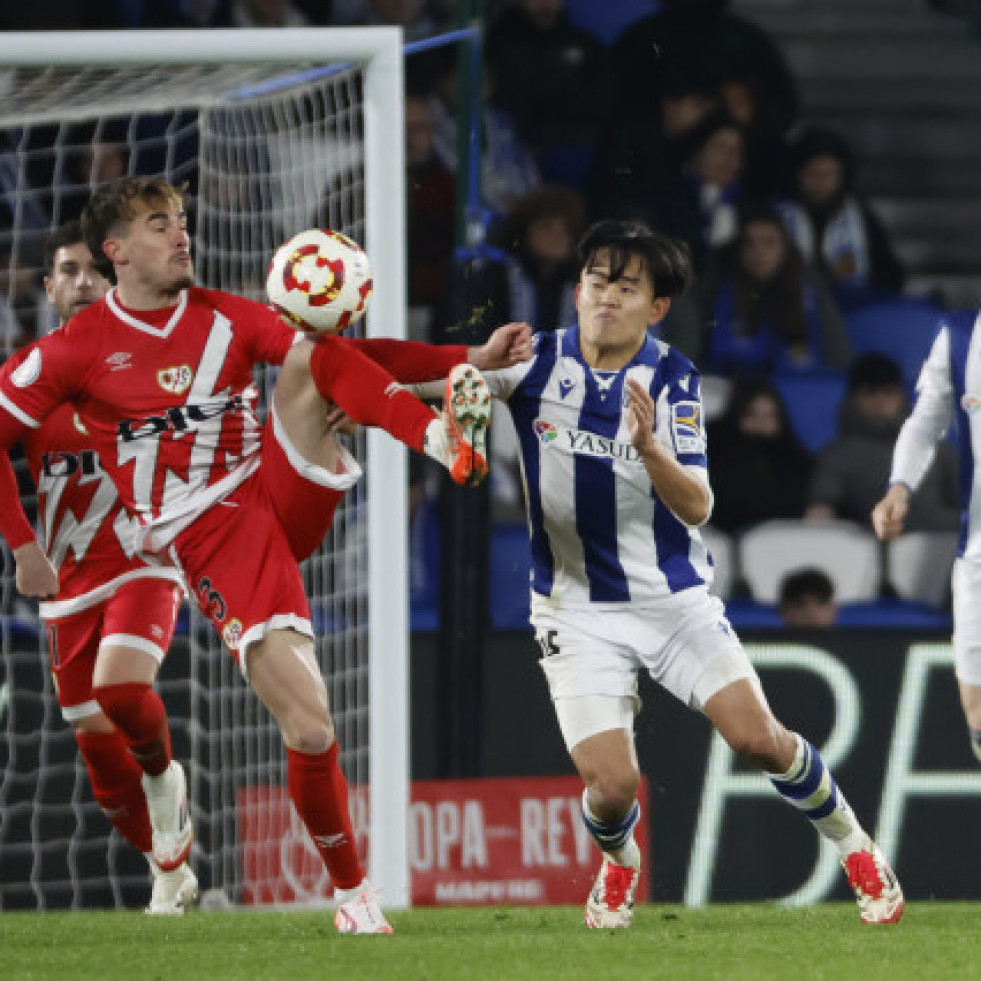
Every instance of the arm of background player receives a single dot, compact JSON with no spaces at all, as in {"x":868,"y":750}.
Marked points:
{"x":35,"y":576}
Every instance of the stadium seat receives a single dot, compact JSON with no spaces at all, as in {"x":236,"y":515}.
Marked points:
{"x":723,"y":550}
{"x":919,"y":565}
{"x":903,"y":329}
{"x":812,"y":402}
{"x":848,"y":554}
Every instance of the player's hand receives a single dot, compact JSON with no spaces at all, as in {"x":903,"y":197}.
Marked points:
{"x":338,"y":421}
{"x":640,"y":417}
{"x":35,"y":575}
{"x":509,"y":345}
{"x":889,"y":515}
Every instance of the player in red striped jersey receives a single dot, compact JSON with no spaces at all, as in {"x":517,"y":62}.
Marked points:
{"x":112,"y":614}
{"x":160,"y":372}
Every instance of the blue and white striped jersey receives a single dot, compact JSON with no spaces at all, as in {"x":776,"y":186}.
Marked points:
{"x":948,"y":389}
{"x":599,"y":534}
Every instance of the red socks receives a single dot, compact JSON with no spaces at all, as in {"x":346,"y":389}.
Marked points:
{"x":319,"y":793}
{"x":368,"y":393}
{"x":116,"y":784}
{"x":137,"y":711}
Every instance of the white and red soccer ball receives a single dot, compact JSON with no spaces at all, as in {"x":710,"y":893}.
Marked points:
{"x":320,"y":281}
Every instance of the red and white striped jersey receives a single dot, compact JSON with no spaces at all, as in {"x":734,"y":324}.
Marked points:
{"x":168,"y":402}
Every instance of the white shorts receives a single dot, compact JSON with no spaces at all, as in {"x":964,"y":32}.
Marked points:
{"x":684,"y":642}
{"x":966,"y":584}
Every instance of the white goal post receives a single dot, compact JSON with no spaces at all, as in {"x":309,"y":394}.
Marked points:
{"x":58,"y":78}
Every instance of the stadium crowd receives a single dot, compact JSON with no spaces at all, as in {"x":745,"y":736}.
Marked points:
{"x":688,"y":119}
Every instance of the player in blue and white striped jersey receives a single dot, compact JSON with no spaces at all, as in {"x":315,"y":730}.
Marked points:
{"x":948,"y":390}
{"x":613,"y":454}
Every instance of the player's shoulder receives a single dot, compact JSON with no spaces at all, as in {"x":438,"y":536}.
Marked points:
{"x":229,"y":304}
{"x":960,"y":321}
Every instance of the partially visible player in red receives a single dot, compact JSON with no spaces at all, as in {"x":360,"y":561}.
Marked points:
{"x":160,"y":372}
{"x":112,"y":613}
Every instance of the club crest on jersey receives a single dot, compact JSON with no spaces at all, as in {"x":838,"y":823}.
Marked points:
{"x":545,"y":431}
{"x":232,"y":634}
{"x":175,"y":379}
{"x":971,"y":404}
{"x":583,"y":443}
{"x":686,"y":427}
{"x":28,"y":371}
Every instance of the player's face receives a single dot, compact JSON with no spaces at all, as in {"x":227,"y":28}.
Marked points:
{"x":74,"y":282}
{"x":152,"y":257}
{"x":614,"y":314}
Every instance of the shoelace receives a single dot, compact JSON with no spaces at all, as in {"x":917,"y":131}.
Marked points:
{"x":863,"y":874}
{"x":616,"y":885}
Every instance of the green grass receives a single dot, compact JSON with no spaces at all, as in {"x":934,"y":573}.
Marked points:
{"x":759,"y":941}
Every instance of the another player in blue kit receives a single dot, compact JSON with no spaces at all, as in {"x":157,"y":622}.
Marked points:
{"x":613,"y":454}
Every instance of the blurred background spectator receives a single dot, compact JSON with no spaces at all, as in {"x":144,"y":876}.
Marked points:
{"x":765,"y":311}
{"x":553,"y":79}
{"x":832,"y":224}
{"x":758,"y":467}
{"x":853,"y":469}
{"x":807,"y":599}
{"x":257,"y":13}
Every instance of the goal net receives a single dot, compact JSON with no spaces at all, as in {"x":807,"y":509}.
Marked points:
{"x":272,"y":132}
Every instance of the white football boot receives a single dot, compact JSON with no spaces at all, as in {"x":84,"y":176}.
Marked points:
{"x":358,"y":911}
{"x":877,"y":890}
{"x":170,"y":818}
{"x":611,"y":903}
{"x":173,"y":892}
{"x":458,"y":435}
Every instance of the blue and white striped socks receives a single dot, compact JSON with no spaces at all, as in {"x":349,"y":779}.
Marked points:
{"x":616,"y":838}
{"x":809,"y":786}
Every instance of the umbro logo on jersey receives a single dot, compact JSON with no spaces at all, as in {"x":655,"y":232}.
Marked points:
{"x":330,"y":841}
{"x":176,"y":379}
{"x":120,"y":361}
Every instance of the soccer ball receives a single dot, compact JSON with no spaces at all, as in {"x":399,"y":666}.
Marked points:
{"x":320,"y":281}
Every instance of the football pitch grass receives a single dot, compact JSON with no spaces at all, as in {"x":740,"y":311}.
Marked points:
{"x":758,"y":941}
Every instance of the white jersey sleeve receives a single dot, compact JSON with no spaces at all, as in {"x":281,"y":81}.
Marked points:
{"x":930,"y":418}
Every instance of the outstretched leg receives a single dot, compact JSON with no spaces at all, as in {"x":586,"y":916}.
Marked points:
{"x":795,"y":768}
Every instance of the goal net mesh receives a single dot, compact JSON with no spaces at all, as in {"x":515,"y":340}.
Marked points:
{"x":264,"y":155}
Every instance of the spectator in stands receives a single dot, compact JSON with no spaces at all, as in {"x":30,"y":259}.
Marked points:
{"x":553,"y":78}
{"x":766,"y":311}
{"x":507,"y":166}
{"x":533,"y":279}
{"x":430,"y":194}
{"x":19,"y":299}
{"x":701,"y":36}
{"x":760,"y":469}
{"x":641,"y":152}
{"x":853,"y":469}
{"x":807,"y":599}
{"x":832,"y":224}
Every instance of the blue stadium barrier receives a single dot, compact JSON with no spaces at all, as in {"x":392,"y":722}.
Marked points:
{"x":607,"y":20}
{"x":812,"y":403}
{"x":902,"y":329}
{"x":510,"y":575}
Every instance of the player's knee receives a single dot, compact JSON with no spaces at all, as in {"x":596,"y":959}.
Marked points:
{"x":309,"y":734}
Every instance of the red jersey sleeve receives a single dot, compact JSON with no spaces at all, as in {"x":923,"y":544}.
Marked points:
{"x":14,"y":526}
{"x":269,"y":338}
{"x":46,"y":374}
{"x":411,"y":361}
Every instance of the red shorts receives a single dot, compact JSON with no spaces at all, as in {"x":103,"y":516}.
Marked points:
{"x":240,"y":557}
{"x":139,"y":614}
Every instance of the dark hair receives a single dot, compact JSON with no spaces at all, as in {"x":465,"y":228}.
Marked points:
{"x":547,"y":201}
{"x":806,"y":582}
{"x":874,"y":370}
{"x":70,"y":233}
{"x":667,"y":261}
{"x":818,"y":141}
{"x":118,"y":202}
